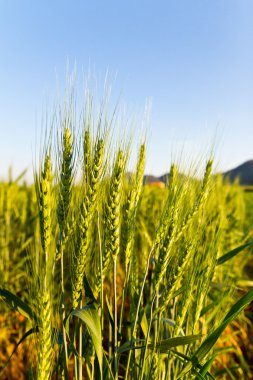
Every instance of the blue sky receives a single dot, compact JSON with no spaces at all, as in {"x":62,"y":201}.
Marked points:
{"x":192,"y":58}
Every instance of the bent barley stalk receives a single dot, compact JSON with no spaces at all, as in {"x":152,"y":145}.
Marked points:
{"x":64,"y":198}
{"x":112,"y":213}
{"x":132,"y":205}
{"x":129,"y":227}
{"x":165,"y":218}
{"x":44,"y":302}
{"x":111,"y":219}
{"x":44,"y":195}
{"x":66,"y":180}
{"x":87,"y":209}
{"x":112,"y":235}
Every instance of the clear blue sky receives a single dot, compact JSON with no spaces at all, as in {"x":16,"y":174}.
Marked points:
{"x":193,"y":58}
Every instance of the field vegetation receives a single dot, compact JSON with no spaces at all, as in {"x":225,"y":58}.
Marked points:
{"x":104,"y":277}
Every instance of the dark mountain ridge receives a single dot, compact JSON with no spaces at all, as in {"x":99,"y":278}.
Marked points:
{"x":243,"y":172}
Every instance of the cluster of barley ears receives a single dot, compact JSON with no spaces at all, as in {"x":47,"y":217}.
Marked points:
{"x":126,"y":281}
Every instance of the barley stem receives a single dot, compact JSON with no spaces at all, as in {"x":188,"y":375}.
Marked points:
{"x":115,"y":318}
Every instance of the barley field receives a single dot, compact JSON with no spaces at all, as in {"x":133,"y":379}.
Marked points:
{"x":105,"y":277}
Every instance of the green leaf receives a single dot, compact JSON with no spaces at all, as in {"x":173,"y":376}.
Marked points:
{"x":204,"y":370}
{"x":210,"y":341}
{"x":110,"y":313}
{"x":183,"y":358}
{"x":17,"y":304}
{"x":224,"y":370}
{"x":87,"y":288}
{"x":125,"y":347}
{"x":199,"y":376}
{"x":107,"y":370}
{"x":144,"y":324}
{"x":231,"y":315}
{"x":166,"y":344}
{"x":208,"y":307}
{"x":111,"y":317}
{"x":232,"y":253}
{"x":129,"y":345}
{"x":90,"y":317}
{"x":172,"y":324}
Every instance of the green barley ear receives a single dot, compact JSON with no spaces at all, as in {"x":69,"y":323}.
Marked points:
{"x":64,"y":199}
{"x":200,"y":199}
{"x":87,"y":155}
{"x":45,"y":191}
{"x":175,"y":279}
{"x":45,"y":348}
{"x":96,"y":172}
{"x":112,"y":212}
{"x":43,"y":273}
{"x":112,"y":218}
{"x":207,"y":175}
{"x":173,"y":234}
{"x":140,"y":172}
{"x":166,"y":231}
{"x":87,"y":209}
{"x":66,"y":178}
{"x":172,"y":177}
{"x":171,"y":198}
{"x":132,"y":204}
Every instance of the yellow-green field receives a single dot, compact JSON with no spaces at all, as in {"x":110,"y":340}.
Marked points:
{"x":104,"y":278}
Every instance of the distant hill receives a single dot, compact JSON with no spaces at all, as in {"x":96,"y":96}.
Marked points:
{"x":151,"y":178}
{"x":244,"y":172}
{"x":163,"y":178}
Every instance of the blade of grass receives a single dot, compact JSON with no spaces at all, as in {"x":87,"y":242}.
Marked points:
{"x":210,"y":341}
{"x":17,"y":304}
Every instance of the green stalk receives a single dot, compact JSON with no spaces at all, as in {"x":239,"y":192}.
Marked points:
{"x":148,"y":335}
{"x":110,"y":339}
{"x":101,"y":277}
{"x":63,"y":315}
{"x":125,"y":288}
{"x":92,"y":370}
{"x":115,"y":318}
{"x":157,"y":321}
{"x":65,"y":193}
{"x":80,"y":348}
{"x":75,"y":360}
{"x":138,"y":310}
{"x":43,"y":273}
